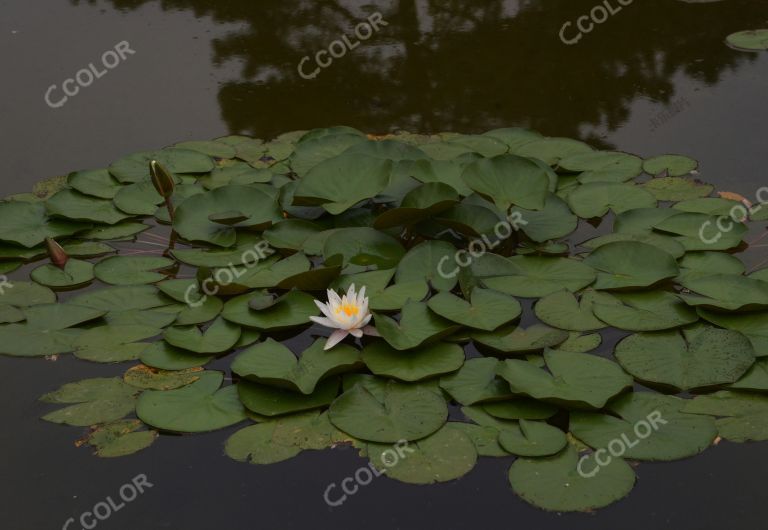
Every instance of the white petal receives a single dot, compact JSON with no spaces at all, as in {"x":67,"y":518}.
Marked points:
{"x":365,"y":321}
{"x":351,"y":292}
{"x":325,"y":309}
{"x":327,"y":322}
{"x":370,"y":330}
{"x":335,"y":338}
{"x":361,"y":296}
{"x":333,"y":297}
{"x":356,"y":332}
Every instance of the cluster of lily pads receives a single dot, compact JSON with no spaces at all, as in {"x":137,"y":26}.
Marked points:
{"x":498,"y":357}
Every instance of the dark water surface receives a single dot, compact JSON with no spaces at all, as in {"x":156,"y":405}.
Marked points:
{"x":654,"y":78}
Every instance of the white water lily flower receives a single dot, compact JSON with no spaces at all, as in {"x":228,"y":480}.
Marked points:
{"x":349,"y":315}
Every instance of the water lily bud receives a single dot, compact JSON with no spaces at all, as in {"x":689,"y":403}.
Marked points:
{"x":161,"y":179}
{"x":57,"y":254}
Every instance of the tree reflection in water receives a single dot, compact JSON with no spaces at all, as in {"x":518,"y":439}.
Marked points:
{"x":465,"y":65}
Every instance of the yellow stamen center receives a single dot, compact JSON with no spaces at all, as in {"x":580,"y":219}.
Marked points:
{"x":349,"y":309}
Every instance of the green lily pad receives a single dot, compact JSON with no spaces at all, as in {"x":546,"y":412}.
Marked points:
{"x":402,"y":412}
{"x":698,"y":231}
{"x":92,"y":401}
{"x":443,"y":171}
{"x":423,"y":263}
{"x":562,"y":310}
{"x":518,"y":340}
{"x":131,"y":270}
{"x":630,"y":264}
{"x":140,"y":198}
{"x":47,"y":330}
{"x":509,"y":180}
{"x":486,"y":439}
{"x":270,"y":272}
{"x":163,"y":356}
{"x":552,"y":150}
{"x":340,"y":182}
{"x":534,"y":276}
{"x":486,"y":310}
{"x":362,"y":246}
{"x":647,"y":426}
{"x":75,"y":273}
{"x":147,"y":378}
{"x":708,"y":205}
{"x":693,"y":358}
{"x":291,"y":233}
{"x":576,"y":380}
{"x":75,"y":206}
{"x":212,"y":148}
{"x":554,"y":483}
{"x":119,"y":438}
{"x":595,"y":199}
{"x":10,"y":314}
{"x":217,"y":338}
{"x":532,"y":438}
{"x":443,"y":456}
{"x":578,"y":343}
{"x":96,"y":182}
{"x":419,"y":204}
{"x":25,"y":294}
{"x":553,"y":221}
{"x":603,"y":166}
{"x":753,"y":325}
{"x":198,"y":407}
{"x":415,"y":365}
{"x":87,"y":249}
{"x":113,"y":343}
{"x":123,"y":230}
{"x":28,"y":224}
{"x":476,"y":382}
{"x":701,"y":264}
{"x":753,"y":39}
{"x":290,"y":310}
{"x":726,"y":291}
{"x":256,"y":444}
{"x":121,"y":298}
{"x":192,"y":220}
{"x":643,"y":311}
{"x":674,"y":165}
{"x":742,"y":416}
{"x":271,"y":363}
{"x":317,"y":146}
{"x":250,"y":249}
{"x":666,"y":243}
{"x":756,"y":378}
{"x":135,"y":167}
{"x":677,"y":188}
{"x":272,"y":401}
{"x":418,"y":325}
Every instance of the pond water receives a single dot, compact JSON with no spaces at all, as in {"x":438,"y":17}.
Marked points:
{"x":655,"y":77}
